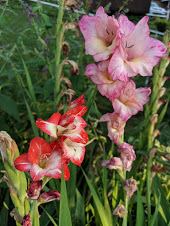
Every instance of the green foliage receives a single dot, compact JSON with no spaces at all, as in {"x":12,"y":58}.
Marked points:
{"x":64,"y":215}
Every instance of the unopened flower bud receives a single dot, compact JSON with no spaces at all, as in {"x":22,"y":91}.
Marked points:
{"x":160,"y":102}
{"x":67,"y":82}
{"x":8,"y":148}
{"x":74,"y":27}
{"x":74,"y":67}
{"x":49,"y":196}
{"x":155,"y":134}
{"x":130,"y":187}
{"x":164,"y":80}
{"x":153,"y":121}
{"x":6,"y":179}
{"x":113,"y":163}
{"x":70,"y":94}
{"x":162,"y":92}
{"x":153,"y":152}
{"x":120,"y":210}
{"x":34,"y":190}
{"x":65,"y":48}
{"x":26,"y":220}
{"x":14,"y":214}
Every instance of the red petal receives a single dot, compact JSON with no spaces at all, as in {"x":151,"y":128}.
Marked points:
{"x":57,"y":175}
{"x":54,"y":118}
{"x":36,"y":172}
{"x":55,"y":146}
{"x":38,"y":147}
{"x":79,"y":136}
{"x":22,"y":163}
{"x":79,"y":111}
{"x":77,"y":102}
{"x":47,"y":127}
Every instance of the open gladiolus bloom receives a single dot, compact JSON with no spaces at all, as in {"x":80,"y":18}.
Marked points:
{"x":41,"y":160}
{"x":47,"y":159}
{"x":102,"y":34}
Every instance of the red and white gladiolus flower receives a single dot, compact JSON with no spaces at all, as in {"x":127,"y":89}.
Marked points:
{"x":42,"y":160}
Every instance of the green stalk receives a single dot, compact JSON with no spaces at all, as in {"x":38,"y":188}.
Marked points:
{"x":148,"y":182}
{"x":34,"y":214}
{"x":126,"y":205}
{"x":59,"y":36}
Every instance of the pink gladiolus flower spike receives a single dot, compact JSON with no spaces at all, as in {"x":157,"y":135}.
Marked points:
{"x":41,"y":160}
{"x":138,"y":53}
{"x":115,"y":126}
{"x":106,"y":85}
{"x":68,"y":125}
{"x":101,"y":33}
{"x":131,"y":100}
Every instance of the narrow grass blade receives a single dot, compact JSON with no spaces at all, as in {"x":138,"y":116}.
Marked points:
{"x":71,"y":185}
{"x":29,"y":82}
{"x":64,"y":215}
{"x":50,"y":217}
{"x":140,"y":211}
{"x":49,"y":207}
{"x":164,"y":206}
{"x":155,"y":215}
{"x":102,"y":213}
{"x":162,"y":114}
{"x":80,"y":211}
{"x":34,"y":127}
{"x":90,"y":101}
{"x":4,"y":210}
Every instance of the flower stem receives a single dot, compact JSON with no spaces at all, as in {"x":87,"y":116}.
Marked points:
{"x":59,"y":36}
{"x":148,"y":182}
{"x":126,"y":205}
{"x":34,"y":214}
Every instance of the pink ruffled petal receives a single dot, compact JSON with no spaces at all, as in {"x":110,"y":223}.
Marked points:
{"x":95,"y":46}
{"x":88,"y":27}
{"x":155,"y":50}
{"x":142,"y":65}
{"x":111,"y":91}
{"x":118,"y":68}
{"x":126,"y":25}
{"x":136,"y":42}
{"x":142,"y":95}
{"x":115,"y":126}
{"x":22,"y":163}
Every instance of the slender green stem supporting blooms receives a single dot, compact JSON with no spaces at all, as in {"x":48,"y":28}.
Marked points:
{"x":126,"y":204}
{"x":34,"y":214}
{"x":59,"y":36}
{"x":149,"y":187}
